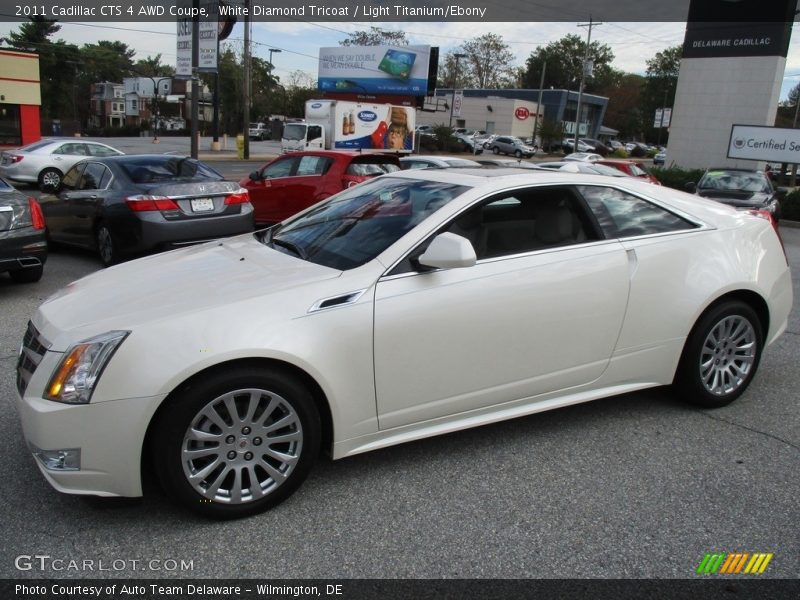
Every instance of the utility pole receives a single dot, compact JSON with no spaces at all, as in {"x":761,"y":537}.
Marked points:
{"x":590,"y":24}
{"x":195,"y":80}
{"x":661,"y":124}
{"x":247,"y":76}
{"x":539,"y":102}
{"x":455,"y":83}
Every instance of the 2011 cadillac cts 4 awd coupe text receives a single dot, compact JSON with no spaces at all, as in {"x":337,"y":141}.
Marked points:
{"x":411,"y":305}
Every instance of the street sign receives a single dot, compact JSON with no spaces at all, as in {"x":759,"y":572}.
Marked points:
{"x":771,"y":144}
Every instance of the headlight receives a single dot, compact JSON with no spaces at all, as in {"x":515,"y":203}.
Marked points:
{"x":81,"y":367}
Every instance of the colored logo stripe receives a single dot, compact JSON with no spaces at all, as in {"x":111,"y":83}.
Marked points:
{"x":732,"y":563}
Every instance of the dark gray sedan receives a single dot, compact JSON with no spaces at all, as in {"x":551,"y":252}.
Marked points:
{"x":23,"y":248}
{"x":126,"y":205}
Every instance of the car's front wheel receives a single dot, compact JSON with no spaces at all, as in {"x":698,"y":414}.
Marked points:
{"x":721,"y":355}
{"x":518,"y":153}
{"x":496,"y":150}
{"x":236,"y":442}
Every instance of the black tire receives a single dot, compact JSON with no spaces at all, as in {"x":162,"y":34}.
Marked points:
{"x":495,"y":149}
{"x":252,"y":391}
{"x":50,"y":178}
{"x":717,"y":363}
{"x":106,"y":247}
{"x":28,"y":274}
{"x":518,"y":153}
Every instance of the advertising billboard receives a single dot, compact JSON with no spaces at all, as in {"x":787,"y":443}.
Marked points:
{"x":397,"y":70}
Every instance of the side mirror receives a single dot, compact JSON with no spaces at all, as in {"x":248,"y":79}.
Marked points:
{"x":449,"y":251}
{"x":254,"y":176}
{"x":690,"y":186}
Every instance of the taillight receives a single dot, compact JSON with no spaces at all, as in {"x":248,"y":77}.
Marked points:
{"x":145,"y":203}
{"x":240,"y":196}
{"x":37,"y":216}
{"x":765,"y":214}
{"x":15,"y":158}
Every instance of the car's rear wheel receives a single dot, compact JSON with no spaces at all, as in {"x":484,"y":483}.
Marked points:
{"x":106,"y":248}
{"x":50,"y":178}
{"x":721,"y":355}
{"x":496,"y":150}
{"x":28,"y":274}
{"x":236,"y":442}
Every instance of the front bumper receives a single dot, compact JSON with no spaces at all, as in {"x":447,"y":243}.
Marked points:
{"x":108,"y":437}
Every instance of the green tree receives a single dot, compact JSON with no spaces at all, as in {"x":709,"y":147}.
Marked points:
{"x":623,"y":113}
{"x":153,"y":67}
{"x":661,"y":80}
{"x":375,"y":36}
{"x":564,"y":60}
{"x":486,"y":63}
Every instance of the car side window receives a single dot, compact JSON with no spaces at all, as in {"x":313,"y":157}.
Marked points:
{"x":282,"y":168}
{"x":72,"y":178}
{"x":620,"y":214}
{"x":313,"y":165}
{"x":92,"y":176}
{"x":314,"y":132}
{"x":416,"y":164}
{"x":106,"y":180}
{"x":98,"y":150}
{"x":524,"y":221}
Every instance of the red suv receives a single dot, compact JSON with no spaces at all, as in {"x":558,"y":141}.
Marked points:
{"x":295,"y":181}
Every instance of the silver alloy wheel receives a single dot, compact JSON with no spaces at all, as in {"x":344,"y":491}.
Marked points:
{"x":51,"y":178}
{"x":105,"y":245}
{"x":727,"y":355}
{"x":241,"y":446}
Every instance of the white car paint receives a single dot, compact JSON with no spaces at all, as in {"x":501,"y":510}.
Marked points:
{"x":414,"y":354}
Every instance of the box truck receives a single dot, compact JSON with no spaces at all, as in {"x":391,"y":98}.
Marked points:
{"x":343,"y":125}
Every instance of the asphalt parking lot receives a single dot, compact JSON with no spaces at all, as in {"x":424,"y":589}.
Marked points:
{"x":639,"y":485}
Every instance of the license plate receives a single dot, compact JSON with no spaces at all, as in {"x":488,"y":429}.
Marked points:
{"x":202,"y":205}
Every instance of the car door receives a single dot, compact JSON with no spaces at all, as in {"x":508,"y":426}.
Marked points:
{"x":540,"y":311}
{"x":56,"y":207}
{"x":66,"y":155}
{"x":267,"y":193}
{"x":84,"y":202}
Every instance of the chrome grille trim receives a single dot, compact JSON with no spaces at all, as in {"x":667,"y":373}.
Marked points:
{"x":31,"y":354}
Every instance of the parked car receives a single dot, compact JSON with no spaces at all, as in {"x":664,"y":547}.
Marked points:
{"x":23,"y":247}
{"x":743,"y":189}
{"x":468,"y":143}
{"x":295,"y":181}
{"x":568,"y":145}
{"x":583,"y":156}
{"x":423,"y":161}
{"x":577,"y":166}
{"x":45,"y":162}
{"x":597,"y":146}
{"x":415,"y":304}
{"x":634,"y":168}
{"x":660,"y":158}
{"x":126,"y":205}
{"x":508,"y":144}
{"x":259,"y":131}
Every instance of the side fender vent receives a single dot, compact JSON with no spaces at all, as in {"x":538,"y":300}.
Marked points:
{"x":335,"y":301}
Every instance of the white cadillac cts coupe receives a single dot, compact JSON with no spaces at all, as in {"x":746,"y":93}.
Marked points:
{"x":411,"y":305}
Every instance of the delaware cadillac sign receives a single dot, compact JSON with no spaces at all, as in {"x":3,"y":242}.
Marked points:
{"x":771,"y":144}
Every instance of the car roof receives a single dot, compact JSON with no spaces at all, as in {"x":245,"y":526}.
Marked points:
{"x":734,"y":169}
{"x":335,"y":153}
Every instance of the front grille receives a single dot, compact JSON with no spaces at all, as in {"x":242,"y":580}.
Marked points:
{"x":30,"y":355}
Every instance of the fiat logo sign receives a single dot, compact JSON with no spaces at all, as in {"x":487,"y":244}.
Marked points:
{"x":522,"y":113}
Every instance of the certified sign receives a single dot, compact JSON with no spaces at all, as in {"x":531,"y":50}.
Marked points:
{"x":522,"y":113}
{"x":771,"y":144}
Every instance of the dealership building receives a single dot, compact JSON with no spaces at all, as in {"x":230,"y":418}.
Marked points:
{"x":20,"y":98}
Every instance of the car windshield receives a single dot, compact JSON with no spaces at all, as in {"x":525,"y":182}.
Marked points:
{"x":294,"y":132}
{"x":376,"y":166}
{"x":168,"y":168}
{"x":254,"y":125}
{"x":637,"y":171}
{"x":734,"y":181}
{"x":604,"y":170}
{"x":356,"y":225}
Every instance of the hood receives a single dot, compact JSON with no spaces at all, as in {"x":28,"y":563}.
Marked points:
{"x":737,"y":198}
{"x":172,"y":283}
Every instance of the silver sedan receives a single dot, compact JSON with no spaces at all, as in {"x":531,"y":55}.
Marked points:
{"x":45,"y":162}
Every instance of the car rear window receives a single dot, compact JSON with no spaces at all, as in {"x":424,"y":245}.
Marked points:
{"x":36,"y":146}
{"x":373,"y":166}
{"x":168,"y":168}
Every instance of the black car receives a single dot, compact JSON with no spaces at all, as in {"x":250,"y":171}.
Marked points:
{"x":127,"y":205}
{"x":742,"y":188}
{"x":23,"y":247}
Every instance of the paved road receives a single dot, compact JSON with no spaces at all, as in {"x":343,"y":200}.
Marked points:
{"x":639,"y":485}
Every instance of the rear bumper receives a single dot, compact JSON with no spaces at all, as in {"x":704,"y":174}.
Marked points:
{"x":18,"y":172}
{"x":21,"y":249}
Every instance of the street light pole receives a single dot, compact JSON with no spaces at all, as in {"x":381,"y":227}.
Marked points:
{"x":455,"y":83}
{"x":583,"y":78}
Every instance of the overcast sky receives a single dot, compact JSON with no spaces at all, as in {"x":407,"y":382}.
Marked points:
{"x":632,"y":43}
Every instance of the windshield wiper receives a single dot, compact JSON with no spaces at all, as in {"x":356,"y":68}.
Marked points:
{"x":291,"y":246}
